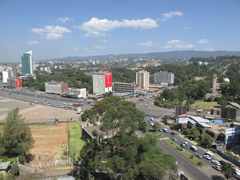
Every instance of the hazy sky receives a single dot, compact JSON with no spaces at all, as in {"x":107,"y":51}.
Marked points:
{"x":60,"y":28}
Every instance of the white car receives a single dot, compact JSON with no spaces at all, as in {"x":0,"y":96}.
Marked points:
{"x":216,"y":162}
{"x":207,"y":157}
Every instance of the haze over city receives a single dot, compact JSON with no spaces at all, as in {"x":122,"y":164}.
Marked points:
{"x":55,"y":29}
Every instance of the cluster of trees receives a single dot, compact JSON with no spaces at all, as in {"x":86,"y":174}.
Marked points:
{"x":126,"y":155}
{"x":189,"y":91}
{"x":74,"y":78}
{"x":16,"y":138}
{"x":15,"y":141}
{"x":193,"y":133}
{"x":231,"y":91}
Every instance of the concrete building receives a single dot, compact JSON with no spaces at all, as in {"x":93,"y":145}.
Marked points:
{"x":5,"y":76}
{"x":163,"y":78}
{"x":75,"y":93}
{"x":119,"y":87}
{"x":27,"y":63}
{"x":55,"y":87}
{"x":102,"y":83}
{"x":142,"y":79}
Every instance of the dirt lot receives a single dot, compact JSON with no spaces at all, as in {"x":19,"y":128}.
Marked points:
{"x":50,"y":142}
{"x":34,"y":113}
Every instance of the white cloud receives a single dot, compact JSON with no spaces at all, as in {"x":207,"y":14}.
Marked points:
{"x":104,"y":41}
{"x":65,"y":19}
{"x":147,"y":44}
{"x":76,"y":49}
{"x":97,"y":27}
{"x":99,"y":47}
{"x":170,"y":15}
{"x":32,"y":43}
{"x":175,"y":42}
{"x":85,"y":49}
{"x":202,"y":41}
{"x":183,"y":46}
{"x":51,"y":32}
{"x":117,"y":47}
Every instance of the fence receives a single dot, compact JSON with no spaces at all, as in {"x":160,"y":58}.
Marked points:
{"x":46,"y":165}
{"x":234,"y":161}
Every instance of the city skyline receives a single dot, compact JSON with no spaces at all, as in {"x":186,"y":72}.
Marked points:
{"x":58,"y":29}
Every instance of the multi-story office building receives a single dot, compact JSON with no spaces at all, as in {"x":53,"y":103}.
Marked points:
{"x":55,"y":87}
{"x":102,"y":83}
{"x":142,"y":79}
{"x":163,"y":78}
{"x":119,"y":87}
{"x":27,"y":63}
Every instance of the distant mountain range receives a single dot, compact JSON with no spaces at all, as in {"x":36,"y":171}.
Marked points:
{"x":169,"y":55}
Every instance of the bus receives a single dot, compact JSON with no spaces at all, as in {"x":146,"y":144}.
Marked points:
{"x":193,"y":148}
{"x":237,"y":173}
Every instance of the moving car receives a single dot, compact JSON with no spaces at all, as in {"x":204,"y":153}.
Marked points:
{"x":174,"y":139}
{"x":194,"y":148}
{"x":199,"y":156}
{"x":217,"y":167}
{"x":207,"y":157}
{"x":216,"y":162}
{"x":165,"y":130}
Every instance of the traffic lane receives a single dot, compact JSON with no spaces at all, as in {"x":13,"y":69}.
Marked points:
{"x":188,"y":168}
{"x":200,"y":151}
{"x":38,"y":100}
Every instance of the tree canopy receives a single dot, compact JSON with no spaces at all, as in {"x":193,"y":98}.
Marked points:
{"x":16,"y":138}
{"x":125,"y":154}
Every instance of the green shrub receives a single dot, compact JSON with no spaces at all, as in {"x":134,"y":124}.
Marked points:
{"x":21,"y":159}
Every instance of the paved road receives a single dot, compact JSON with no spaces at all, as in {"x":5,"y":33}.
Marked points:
{"x":44,"y":99}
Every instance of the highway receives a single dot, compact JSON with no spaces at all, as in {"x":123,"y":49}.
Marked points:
{"x":44,"y":99}
{"x":191,"y":171}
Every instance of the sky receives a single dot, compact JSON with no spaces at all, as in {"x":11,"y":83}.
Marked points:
{"x":62,"y":28}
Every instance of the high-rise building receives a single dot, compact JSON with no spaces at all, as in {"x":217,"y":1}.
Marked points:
{"x":5,"y":76}
{"x":102,"y":83}
{"x":163,"y":78}
{"x":142,"y":79}
{"x":27,"y":63}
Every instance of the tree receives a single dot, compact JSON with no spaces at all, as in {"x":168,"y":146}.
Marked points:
{"x":228,"y":170}
{"x":16,"y":138}
{"x":206,"y":140}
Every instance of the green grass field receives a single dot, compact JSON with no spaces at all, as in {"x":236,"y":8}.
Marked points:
{"x":205,"y":105}
{"x":189,"y":156}
{"x":76,"y":143}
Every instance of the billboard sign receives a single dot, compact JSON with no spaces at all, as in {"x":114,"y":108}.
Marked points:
{"x":108,"y":79}
{"x":18,"y":83}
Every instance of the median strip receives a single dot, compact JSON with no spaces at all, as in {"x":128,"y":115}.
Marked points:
{"x":193,"y":159}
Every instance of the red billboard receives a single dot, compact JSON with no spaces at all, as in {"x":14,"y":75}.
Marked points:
{"x":18,"y":83}
{"x":108,"y":79}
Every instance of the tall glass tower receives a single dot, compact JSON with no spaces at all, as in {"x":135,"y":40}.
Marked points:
{"x":27,"y":63}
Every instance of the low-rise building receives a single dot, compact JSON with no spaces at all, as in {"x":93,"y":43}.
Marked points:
{"x":75,"y":93}
{"x":119,"y":87}
{"x":55,"y":87}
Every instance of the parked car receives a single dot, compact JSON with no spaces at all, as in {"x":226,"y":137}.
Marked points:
{"x":216,"y":162}
{"x":160,"y":130}
{"x":207,"y":157}
{"x":199,"y":156}
{"x":186,"y":143}
{"x":218,"y":168}
{"x":174,"y":139}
